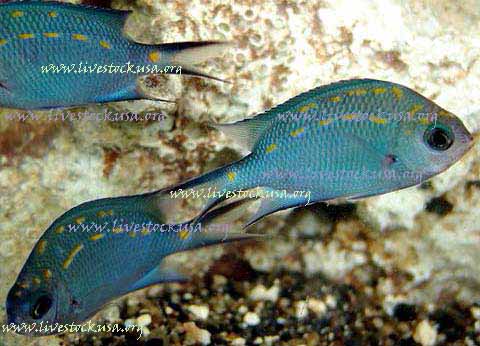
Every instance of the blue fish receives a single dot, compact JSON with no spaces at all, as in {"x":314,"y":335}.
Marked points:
{"x":343,"y":141}
{"x":101,"y":250}
{"x":60,"y":55}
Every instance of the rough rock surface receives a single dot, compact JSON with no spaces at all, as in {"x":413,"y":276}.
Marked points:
{"x":397,"y":269}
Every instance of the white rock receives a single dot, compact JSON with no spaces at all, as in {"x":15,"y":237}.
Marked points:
{"x":301,"y":309}
{"x":200,"y":312}
{"x":475,"y":312}
{"x":111,"y":313}
{"x":331,"y":260}
{"x":238,"y":342}
{"x":251,"y":319}
{"x":144,"y":320}
{"x":130,"y":322}
{"x":317,"y":306}
{"x":425,"y":333}
{"x":195,"y":335}
{"x":331,"y":301}
{"x":260,"y":292}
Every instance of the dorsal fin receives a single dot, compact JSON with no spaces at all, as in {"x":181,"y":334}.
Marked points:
{"x":247,"y":132}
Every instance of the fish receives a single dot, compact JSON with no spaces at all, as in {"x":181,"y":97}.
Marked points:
{"x":335,"y":143}
{"x":101,"y":250}
{"x":59,"y":55}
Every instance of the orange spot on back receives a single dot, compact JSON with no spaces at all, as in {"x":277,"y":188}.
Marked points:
{"x":154,"y":56}
{"x":79,"y":37}
{"x":16,"y":14}
{"x":105,"y":44}
{"x":42,"y":244}
{"x":50,"y":34}
{"x":271,"y":148}
{"x":26,"y":36}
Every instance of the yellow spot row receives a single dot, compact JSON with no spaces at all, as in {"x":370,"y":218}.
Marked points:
{"x":306,"y":108}
{"x":17,"y":14}
{"x":79,"y":37}
{"x":103,"y":213}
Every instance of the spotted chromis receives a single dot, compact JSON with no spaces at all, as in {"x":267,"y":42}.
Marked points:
{"x":88,"y":40}
{"x":346,"y":140}
{"x":70,"y":274}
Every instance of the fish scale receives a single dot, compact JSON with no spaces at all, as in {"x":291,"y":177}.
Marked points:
{"x":36,"y":34}
{"x":346,"y":140}
{"x":80,"y":271}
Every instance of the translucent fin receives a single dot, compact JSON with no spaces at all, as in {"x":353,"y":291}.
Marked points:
{"x":193,"y":72}
{"x":227,"y":213}
{"x":191,"y":53}
{"x":245,"y":132}
{"x":160,"y":274}
{"x":187,"y":54}
{"x":281,"y":201}
{"x":206,"y":238}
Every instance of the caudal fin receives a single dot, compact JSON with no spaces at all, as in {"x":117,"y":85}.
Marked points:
{"x":188,"y":54}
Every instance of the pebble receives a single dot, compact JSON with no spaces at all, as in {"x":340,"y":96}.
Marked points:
{"x":260,"y":292}
{"x":200,"y":312}
{"x":271,"y":340}
{"x":129,"y":322}
{"x":331,"y":301}
{"x":242,"y":309}
{"x":144,"y":320}
{"x":219,"y":281}
{"x":195,"y":335}
{"x":317,"y":306}
{"x":145,"y":332}
{"x":301,"y":309}
{"x":238,"y":342}
{"x":155,"y":291}
{"x":111,"y":314}
{"x":425,"y":334}
{"x":251,"y":319}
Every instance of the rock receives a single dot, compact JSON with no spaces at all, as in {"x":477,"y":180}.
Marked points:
{"x":238,"y":342}
{"x":200,"y":312}
{"x":301,"y":309}
{"x":196,"y":335}
{"x":111,"y":314}
{"x":260,"y":292}
{"x":144,"y":320}
{"x":317,"y":306}
{"x":251,"y":319}
{"x":331,"y":260}
{"x":425,"y":333}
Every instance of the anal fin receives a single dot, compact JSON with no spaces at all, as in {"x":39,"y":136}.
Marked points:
{"x":275,"y":201}
{"x":161,"y":274}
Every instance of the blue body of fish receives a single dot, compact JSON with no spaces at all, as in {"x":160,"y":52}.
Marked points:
{"x":59,"y":55}
{"x":347,"y":140}
{"x":98,"y":251}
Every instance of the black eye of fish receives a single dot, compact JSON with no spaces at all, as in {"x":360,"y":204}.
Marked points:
{"x":438,"y":139}
{"x":41,"y":307}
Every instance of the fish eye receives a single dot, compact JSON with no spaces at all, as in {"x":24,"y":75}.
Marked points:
{"x":41,"y":307}
{"x":438,"y":138}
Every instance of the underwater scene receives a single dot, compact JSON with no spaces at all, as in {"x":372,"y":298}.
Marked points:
{"x":220,"y":172}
